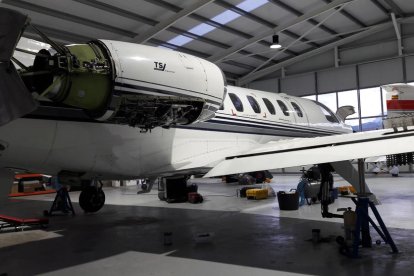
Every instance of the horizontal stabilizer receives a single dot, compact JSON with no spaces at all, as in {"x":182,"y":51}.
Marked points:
{"x":15,"y":99}
{"x":309,"y":151}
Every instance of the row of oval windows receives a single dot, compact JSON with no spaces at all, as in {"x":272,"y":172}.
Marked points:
{"x":256,"y":107}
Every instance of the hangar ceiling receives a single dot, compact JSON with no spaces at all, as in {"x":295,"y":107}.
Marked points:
{"x":234,"y":34}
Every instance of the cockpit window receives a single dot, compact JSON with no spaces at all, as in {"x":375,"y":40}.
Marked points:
{"x":330,"y":116}
{"x":255,"y":105}
{"x":236,"y":102}
{"x":297,"y":109}
{"x":269,"y":106}
{"x":283,"y":107}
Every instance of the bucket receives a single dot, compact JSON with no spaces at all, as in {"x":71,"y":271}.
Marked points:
{"x":288,"y":200}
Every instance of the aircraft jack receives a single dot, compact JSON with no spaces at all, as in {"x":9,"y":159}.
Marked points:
{"x":361,"y":233}
{"x":61,"y":203}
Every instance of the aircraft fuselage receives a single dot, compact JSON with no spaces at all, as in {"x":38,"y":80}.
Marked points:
{"x":109,"y":151}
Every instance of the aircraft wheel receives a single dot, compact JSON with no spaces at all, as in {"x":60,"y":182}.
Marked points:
{"x":91,"y":199}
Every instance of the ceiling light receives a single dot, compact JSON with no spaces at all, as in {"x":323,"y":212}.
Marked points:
{"x":275,"y":44}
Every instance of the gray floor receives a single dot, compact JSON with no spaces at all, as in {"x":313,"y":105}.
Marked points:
{"x":246,"y":237}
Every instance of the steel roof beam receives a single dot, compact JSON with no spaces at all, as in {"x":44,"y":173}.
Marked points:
{"x":294,"y":42}
{"x":148,"y":21}
{"x":273,"y":68}
{"x":111,"y":9}
{"x":60,"y":35}
{"x":397,"y":33}
{"x":243,"y":44}
{"x":215,"y":43}
{"x":210,"y":22}
{"x":394,"y":7}
{"x":380,"y":6}
{"x":349,"y":16}
{"x":298,"y":13}
{"x":68,"y":17}
{"x":261,"y":21}
{"x":142,"y":38}
{"x":118,"y":11}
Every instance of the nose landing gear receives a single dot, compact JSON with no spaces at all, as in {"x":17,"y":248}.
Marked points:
{"x":92,"y":197}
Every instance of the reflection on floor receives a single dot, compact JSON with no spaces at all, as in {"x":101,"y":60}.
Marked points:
{"x":247,"y":237}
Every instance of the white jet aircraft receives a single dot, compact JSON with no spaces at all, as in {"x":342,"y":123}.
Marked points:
{"x":115,"y":110}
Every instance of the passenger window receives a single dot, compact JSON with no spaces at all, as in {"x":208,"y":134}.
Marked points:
{"x":269,"y":106}
{"x":330,"y":116}
{"x":297,"y":109}
{"x":236,"y":102}
{"x":283,"y":107}
{"x":255,"y":105}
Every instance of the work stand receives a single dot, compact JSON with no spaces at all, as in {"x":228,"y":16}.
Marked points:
{"x":361,"y":232}
{"x":61,"y":203}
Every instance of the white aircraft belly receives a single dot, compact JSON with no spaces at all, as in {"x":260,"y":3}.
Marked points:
{"x":307,"y":151}
{"x":107,"y":150}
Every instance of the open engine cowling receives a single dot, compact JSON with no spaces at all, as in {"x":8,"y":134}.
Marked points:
{"x":112,"y":81}
{"x":130,"y":84}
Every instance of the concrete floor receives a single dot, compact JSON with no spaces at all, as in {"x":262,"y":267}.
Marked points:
{"x":246,"y":237}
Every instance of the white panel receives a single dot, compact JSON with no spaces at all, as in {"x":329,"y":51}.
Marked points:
{"x":318,"y":62}
{"x":338,"y":79}
{"x":408,"y":45}
{"x":270,"y":85}
{"x":368,"y":53}
{"x":409,"y":67}
{"x":299,"y":85}
{"x":381,"y":72}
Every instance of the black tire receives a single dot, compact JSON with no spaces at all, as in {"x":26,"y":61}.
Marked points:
{"x":91,"y":199}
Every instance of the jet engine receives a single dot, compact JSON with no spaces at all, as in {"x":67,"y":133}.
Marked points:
{"x":124,"y":83}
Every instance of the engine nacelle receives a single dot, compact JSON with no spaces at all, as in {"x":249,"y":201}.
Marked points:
{"x":168,"y":87}
{"x":127,"y":83}
{"x":111,"y":81}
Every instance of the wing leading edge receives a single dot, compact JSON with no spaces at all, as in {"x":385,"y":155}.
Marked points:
{"x":308,"y":151}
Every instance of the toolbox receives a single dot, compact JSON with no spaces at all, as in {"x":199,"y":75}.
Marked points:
{"x":256,"y":194}
{"x":242,"y":192}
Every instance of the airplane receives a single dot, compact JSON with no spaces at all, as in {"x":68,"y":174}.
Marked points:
{"x":115,"y":110}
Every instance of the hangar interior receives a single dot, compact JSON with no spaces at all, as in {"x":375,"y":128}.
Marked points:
{"x":338,"y":52}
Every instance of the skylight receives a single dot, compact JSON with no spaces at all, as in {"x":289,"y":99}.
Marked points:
{"x":222,"y":18}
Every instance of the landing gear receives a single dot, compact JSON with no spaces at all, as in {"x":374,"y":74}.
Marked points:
{"x":146,"y":185}
{"x":92,"y":198}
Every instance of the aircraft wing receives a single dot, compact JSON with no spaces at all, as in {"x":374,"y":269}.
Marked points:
{"x":308,"y":151}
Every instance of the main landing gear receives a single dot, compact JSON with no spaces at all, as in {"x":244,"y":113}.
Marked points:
{"x":92,"y":197}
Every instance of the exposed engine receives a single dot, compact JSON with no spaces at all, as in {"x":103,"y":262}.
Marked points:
{"x":85,"y":76}
{"x":119,"y":82}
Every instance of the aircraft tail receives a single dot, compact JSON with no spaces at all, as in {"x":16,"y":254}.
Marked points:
{"x":400,"y":105}
{"x":15,"y":99}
